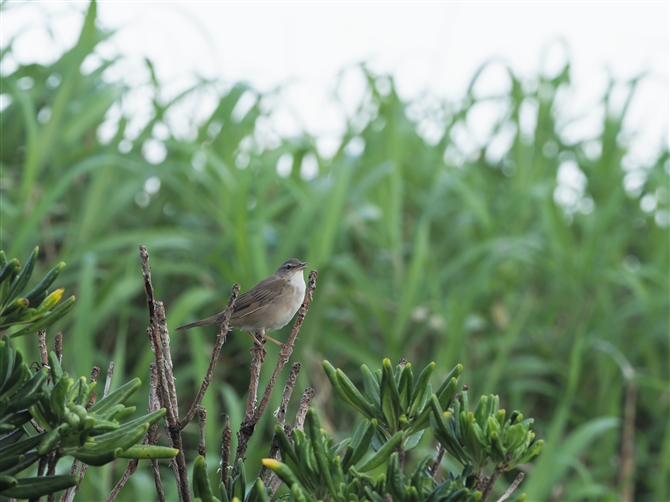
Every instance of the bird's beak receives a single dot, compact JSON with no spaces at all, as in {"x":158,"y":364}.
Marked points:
{"x":303,"y":265}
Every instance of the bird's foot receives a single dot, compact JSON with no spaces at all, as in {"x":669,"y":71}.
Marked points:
{"x":265,"y":337}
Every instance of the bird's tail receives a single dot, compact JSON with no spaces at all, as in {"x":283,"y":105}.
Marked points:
{"x":208,"y":321}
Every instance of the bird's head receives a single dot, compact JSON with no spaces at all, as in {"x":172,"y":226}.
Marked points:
{"x":290,"y":267}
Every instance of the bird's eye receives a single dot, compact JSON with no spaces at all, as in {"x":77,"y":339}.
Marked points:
{"x":289,"y":266}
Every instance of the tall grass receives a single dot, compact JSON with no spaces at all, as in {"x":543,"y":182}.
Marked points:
{"x":426,"y":250}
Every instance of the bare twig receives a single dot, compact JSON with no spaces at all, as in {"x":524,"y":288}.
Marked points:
{"x":168,"y":368}
{"x":95,"y":374}
{"x":512,"y":487}
{"x":130,"y":470}
{"x":58,"y":346}
{"x":152,"y":433}
{"x":149,"y":438}
{"x":82,"y":471}
{"x":154,"y":403}
{"x":436,"y":463}
{"x":486,"y":484}
{"x":281,"y":415}
{"x":55,"y":457}
{"x":401,"y":456}
{"x":160,"y":345}
{"x":148,"y":287}
{"x":226,"y":436}
{"x":303,"y":408}
{"x":42,"y":343}
{"x":163,"y":396}
{"x":70,"y":491}
{"x":42,"y":464}
{"x":202,"y":413}
{"x":159,"y":485}
{"x":220,"y":339}
{"x":37,"y":426}
{"x":108,"y":380}
{"x":68,"y":495}
{"x":273,"y":481}
{"x":288,"y":391}
{"x":174,"y":434}
{"x":248,"y":425}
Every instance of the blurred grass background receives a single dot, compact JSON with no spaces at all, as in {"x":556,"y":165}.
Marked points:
{"x":540,"y":264}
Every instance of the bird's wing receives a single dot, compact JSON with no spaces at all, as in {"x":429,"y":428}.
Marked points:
{"x":262,"y":293}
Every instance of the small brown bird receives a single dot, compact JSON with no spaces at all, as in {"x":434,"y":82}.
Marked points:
{"x":269,"y":305}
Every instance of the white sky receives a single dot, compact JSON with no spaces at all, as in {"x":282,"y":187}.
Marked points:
{"x":427,"y":47}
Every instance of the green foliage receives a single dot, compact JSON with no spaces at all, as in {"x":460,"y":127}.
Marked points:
{"x":431,"y":244}
{"x":393,"y":400}
{"x":314,"y":470}
{"x":38,"y":307}
{"x":313,"y":467}
{"x":484,"y":436}
{"x":94,"y":435}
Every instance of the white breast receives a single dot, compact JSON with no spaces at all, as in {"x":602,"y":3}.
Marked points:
{"x":291,"y":299}
{"x":297,"y":280}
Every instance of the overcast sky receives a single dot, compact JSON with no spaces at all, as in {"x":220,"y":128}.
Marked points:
{"x":433,"y":47}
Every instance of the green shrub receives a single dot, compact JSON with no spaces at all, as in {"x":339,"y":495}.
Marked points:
{"x":49,"y":415}
{"x":37,"y":308}
{"x":396,"y":410}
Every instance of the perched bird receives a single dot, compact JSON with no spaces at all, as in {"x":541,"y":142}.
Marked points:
{"x":269,"y":305}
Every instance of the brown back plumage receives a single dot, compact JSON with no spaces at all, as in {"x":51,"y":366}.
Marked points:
{"x":257,"y":299}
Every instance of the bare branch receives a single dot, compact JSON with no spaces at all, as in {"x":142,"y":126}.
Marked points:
{"x":220,"y":340}
{"x":157,"y":479}
{"x":486,"y":484}
{"x":281,"y":415}
{"x":149,"y":438}
{"x":226,"y":436}
{"x":162,"y":385}
{"x":305,"y":402}
{"x":154,"y":401}
{"x":436,"y":463}
{"x":42,"y":344}
{"x":513,"y":487}
{"x":273,"y":481}
{"x":168,"y":368}
{"x":248,"y":425}
{"x":95,"y":374}
{"x":108,"y":381}
{"x":148,"y":287}
{"x":130,"y":470}
{"x":288,"y":391}
{"x":202,"y":413}
{"x":53,"y":460}
{"x":42,"y":464}
{"x":58,"y":346}
{"x":68,"y":495}
{"x":37,"y":426}
{"x":160,"y":345}
{"x":152,"y":433}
